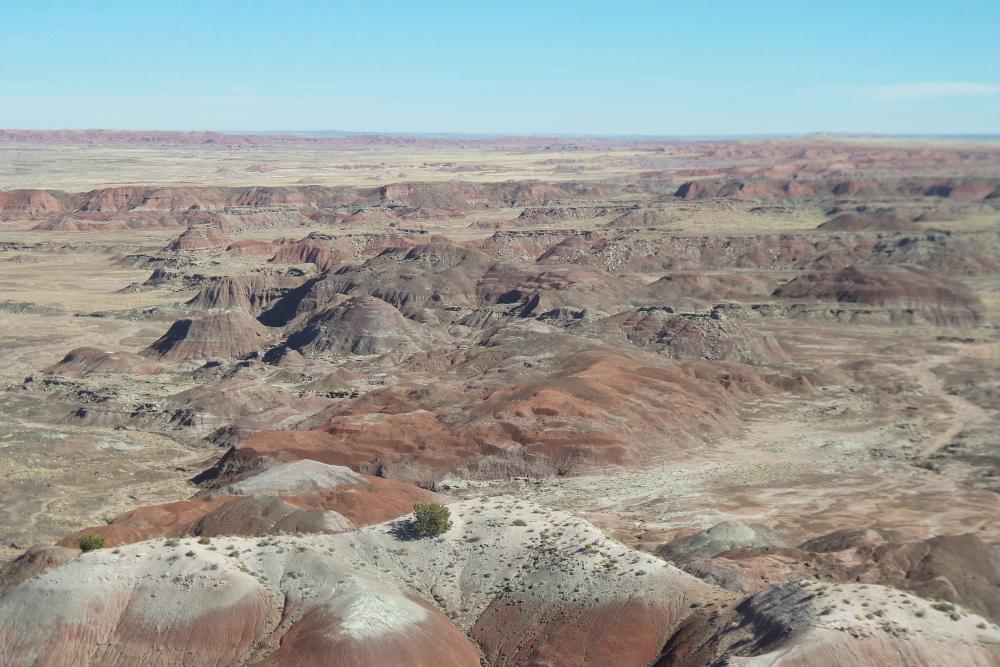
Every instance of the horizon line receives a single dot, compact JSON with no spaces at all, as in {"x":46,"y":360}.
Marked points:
{"x":619,"y":136}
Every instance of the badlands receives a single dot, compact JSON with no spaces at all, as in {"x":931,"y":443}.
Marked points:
{"x":686,"y":402}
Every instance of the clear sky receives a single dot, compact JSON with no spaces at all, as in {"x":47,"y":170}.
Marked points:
{"x":673,"y":68}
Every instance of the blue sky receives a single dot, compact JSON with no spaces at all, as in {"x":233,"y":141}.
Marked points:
{"x":671,"y":68}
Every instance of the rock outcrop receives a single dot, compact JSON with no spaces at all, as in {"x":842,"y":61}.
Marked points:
{"x":813,"y":623}
{"x":956,"y":569}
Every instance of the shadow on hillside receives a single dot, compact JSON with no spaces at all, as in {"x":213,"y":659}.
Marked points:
{"x":404,"y":530}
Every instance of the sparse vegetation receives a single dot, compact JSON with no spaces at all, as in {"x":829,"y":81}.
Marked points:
{"x":92,"y":542}
{"x":431,"y":519}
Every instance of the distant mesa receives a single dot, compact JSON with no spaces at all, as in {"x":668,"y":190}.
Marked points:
{"x":251,"y":247}
{"x":968,"y":191}
{"x":83,"y":361}
{"x":228,"y":335}
{"x":161,"y":276}
{"x":535,"y":290}
{"x":199,"y":238}
{"x":250,"y":293}
{"x":765,"y":186}
{"x":852,"y":188}
{"x":550,"y":215}
{"x":305,"y":253}
{"x":27,"y":203}
{"x":692,"y":190}
{"x":696,"y":336}
{"x":711,"y":286}
{"x":22,"y":259}
{"x":643,"y":217}
{"x":412,"y":276}
{"x":939,"y":300}
{"x":358,"y":325}
{"x":730,"y":189}
{"x":883,"y":221}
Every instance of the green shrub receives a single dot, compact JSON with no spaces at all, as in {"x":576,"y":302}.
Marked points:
{"x":204,"y":540}
{"x":431,"y":520}
{"x":92,"y":541}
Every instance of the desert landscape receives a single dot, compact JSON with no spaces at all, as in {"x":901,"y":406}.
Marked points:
{"x":686,"y":402}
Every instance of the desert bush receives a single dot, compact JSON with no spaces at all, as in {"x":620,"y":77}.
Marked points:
{"x":431,"y":519}
{"x":92,"y":541}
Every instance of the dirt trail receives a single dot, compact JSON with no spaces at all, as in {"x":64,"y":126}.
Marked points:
{"x":965,"y":414}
